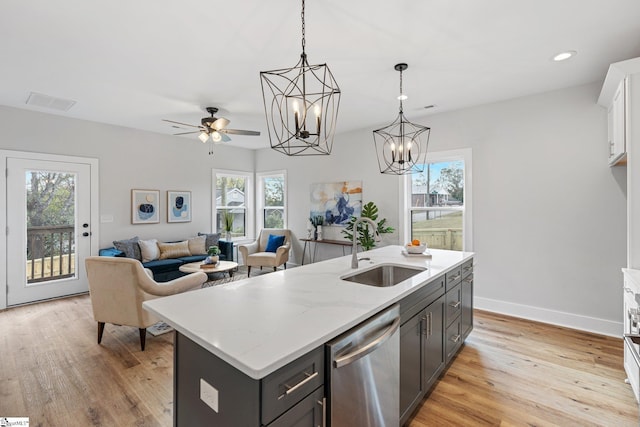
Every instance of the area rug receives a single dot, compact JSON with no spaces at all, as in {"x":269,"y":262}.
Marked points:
{"x":159,"y":329}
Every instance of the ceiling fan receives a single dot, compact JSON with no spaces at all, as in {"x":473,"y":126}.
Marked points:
{"x":214,"y":128}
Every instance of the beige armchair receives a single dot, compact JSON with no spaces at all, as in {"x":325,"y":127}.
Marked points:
{"x":118,"y":286}
{"x":255,"y":255}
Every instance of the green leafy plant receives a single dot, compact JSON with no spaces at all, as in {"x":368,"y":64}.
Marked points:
{"x":366,"y":237}
{"x":213,"y":251}
{"x":228,"y":221}
{"x":316,"y":220}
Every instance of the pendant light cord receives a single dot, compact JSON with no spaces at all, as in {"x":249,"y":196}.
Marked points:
{"x":401,"y":93}
{"x":303,"y":35}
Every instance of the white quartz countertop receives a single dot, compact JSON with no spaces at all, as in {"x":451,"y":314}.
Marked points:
{"x":260,"y":324}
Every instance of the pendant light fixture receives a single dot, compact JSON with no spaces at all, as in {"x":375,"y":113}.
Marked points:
{"x":402,"y":146}
{"x":301,"y":106}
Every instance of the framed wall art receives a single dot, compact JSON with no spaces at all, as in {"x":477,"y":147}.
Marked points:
{"x":145,"y":206}
{"x":178,"y":206}
{"x":336,"y":202}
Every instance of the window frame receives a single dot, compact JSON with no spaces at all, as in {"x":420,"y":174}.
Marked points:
{"x":249,"y":231}
{"x":260,"y":207}
{"x":406,"y":210}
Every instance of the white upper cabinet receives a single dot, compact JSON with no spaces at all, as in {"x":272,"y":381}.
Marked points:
{"x":617,"y":126}
{"x":616,"y":98}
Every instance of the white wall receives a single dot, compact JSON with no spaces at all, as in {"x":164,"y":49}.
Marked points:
{"x":549,"y":214}
{"x":129,"y":159}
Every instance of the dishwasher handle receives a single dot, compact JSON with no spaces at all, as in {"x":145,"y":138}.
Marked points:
{"x":369,"y":347}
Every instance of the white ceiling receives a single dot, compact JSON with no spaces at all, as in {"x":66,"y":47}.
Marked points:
{"x":133,"y":63}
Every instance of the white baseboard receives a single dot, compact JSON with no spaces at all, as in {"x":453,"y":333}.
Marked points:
{"x":544,"y":315}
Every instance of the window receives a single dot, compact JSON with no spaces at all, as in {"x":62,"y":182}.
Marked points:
{"x":272,"y":199}
{"x":233,"y":203}
{"x":438,"y":201}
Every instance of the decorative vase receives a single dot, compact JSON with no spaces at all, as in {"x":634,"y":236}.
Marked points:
{"x":319,"y":236}
{"x":227,"y":235}
{"x":315,"y":233}
{"x":212,"y":259}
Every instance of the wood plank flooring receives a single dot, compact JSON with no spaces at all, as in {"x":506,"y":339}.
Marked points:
{"x":510,"y":372}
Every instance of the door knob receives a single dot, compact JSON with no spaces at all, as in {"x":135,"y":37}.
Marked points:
{"x":85,"y":225}
{"x":85,"y":234}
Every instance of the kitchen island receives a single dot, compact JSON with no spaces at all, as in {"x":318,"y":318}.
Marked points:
{"x":235,"y":339}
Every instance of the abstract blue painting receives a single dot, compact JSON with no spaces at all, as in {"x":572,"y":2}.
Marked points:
{"x":145,"y":206}
{"x":178,"y":206}
{"x":336,"y":202}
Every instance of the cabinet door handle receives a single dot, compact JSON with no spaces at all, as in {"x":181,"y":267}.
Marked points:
{"x":323,"y":405}
{"x":455,"y":304}
{"x":456,"y":338}
{"x":291,"y":389}
{"x":425,"y":326}
{"x":430,"y":323}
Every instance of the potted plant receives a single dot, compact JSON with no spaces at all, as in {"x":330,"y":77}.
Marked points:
{"x":316,"y":221}
{"x":214,"y":255}
{"x":227,"y":220}
{"x":366,"y":237}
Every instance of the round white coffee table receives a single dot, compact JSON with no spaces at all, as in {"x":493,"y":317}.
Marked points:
{"x":220,"y":267}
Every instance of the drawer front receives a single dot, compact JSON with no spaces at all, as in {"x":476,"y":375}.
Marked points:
{"x":453,"y":339}
{"x":290,"y":384}
{"x":417,"y":301}
{"x":310,"y":412}
{"x":467,"y":268}
{"x":454,"y":277}
{"x":453,"y":304}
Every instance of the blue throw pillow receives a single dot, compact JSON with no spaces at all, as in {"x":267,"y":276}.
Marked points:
{"x":274,"y":243}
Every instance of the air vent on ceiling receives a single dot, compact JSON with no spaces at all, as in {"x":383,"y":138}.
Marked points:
{"x":46,"y":101}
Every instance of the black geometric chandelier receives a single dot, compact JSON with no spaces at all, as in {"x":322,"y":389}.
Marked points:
{"x":301,"y":105}
{"x":402,"y":146}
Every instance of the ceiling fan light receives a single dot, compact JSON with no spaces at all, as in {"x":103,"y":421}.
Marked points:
{"x":203,"y":136}
{"x":215,"y":136}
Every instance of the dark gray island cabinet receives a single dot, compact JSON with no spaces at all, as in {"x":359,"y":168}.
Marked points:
{"x":291,"y":396}
{"x":435,"y":321}
{"x":436,"y":316}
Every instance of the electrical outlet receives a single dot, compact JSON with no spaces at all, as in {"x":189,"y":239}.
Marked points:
{"x":209,"y":394}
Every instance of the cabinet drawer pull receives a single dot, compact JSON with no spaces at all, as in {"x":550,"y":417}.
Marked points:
{"x":456,"y":338}
{"x":455,"y":304}
{"x":467,"y":268}
{"x":468,"y":280}
{"x":291,"y":389}
{"x":454,"y":278}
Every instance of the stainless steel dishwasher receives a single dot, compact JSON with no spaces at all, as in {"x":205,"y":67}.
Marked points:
{"x":364,"y":378}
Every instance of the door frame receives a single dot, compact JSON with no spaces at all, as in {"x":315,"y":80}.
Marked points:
{"x":94,"y":205}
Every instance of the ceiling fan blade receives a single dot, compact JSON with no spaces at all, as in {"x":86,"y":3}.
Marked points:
{"x":219,"y":124}
{"x":240,"y":132}
{"x":187,"y":133}
{"x":180,"y":123}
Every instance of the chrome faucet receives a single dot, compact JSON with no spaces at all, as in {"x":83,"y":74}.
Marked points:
{"x":354,"y":250}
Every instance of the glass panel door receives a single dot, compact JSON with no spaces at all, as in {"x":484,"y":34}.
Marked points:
{"x":48,"y":211}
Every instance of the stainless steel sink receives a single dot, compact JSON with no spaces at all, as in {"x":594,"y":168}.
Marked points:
{"x":383,"y":275}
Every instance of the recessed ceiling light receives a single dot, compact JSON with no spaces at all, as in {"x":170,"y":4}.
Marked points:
{"x":563,"y":56}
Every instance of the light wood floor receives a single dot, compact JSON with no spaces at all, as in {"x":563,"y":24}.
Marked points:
{"x":510,"y":372}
